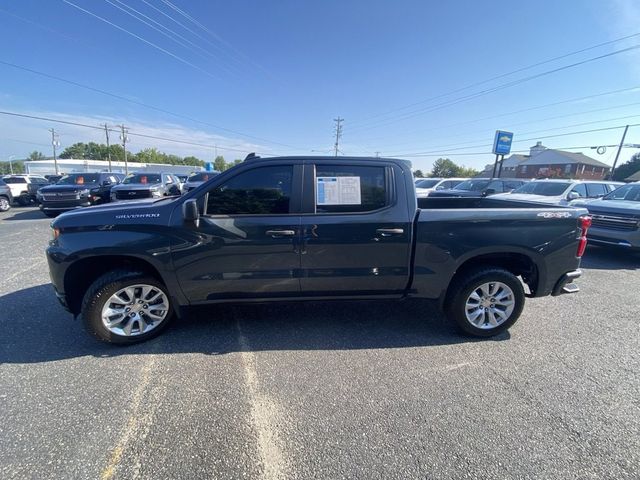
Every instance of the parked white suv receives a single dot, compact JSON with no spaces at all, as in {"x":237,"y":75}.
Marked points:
{"x":426,"y":185}
{"x":25,"y":187}
{"x":560,"y":191}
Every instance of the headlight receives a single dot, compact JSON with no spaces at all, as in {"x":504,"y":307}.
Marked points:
{"x":155,"y":192}
{"x":95,"y":190}
{"x":38,"y":194}
{"x":55,"y":233}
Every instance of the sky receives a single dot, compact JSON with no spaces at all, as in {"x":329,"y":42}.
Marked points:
{"x":411,"y":79}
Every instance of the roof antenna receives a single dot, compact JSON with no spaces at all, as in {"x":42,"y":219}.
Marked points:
{"x":251,"y":156}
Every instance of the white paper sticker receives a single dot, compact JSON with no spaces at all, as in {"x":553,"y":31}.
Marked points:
{"x":338,"y":191}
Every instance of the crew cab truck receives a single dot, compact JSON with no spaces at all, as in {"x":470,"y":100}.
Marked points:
{"x":300,"y":228}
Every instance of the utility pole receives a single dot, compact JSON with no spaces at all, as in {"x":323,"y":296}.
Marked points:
{"x":377,"y":154}
{"x":54,"y":143}
{"x":338,"y":134}
{"x":11,"y":164}
{"x":125,"y":139}
{"x":106,"y":132}
{"x":615,"y":162}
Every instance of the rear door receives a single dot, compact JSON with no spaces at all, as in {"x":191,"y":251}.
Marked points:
{"x":247,"y":241}
{"x":356,"y":229}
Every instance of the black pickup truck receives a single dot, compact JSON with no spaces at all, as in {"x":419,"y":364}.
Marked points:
{"x":300,"y":228}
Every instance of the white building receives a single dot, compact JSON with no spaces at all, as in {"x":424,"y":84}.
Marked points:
{"x":67,"y":165}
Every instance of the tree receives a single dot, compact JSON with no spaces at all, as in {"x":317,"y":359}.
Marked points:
{"x":627,"y":169}
{"x":418,"y":174}
{"x":238,"y":161}
{"x":445,"y":168}
{"x":195,"y":161}
{"x":467,"y":172}
{"x":35,"y":155}
{"x":16,"y":165}
{"x":219,"y":164}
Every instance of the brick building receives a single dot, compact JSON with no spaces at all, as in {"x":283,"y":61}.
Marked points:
{"x":543,"y":162}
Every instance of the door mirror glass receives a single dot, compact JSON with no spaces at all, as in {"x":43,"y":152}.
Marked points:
{"x":190,"y":211}
{"x":573,"y":195}
{"x":106,"y":183}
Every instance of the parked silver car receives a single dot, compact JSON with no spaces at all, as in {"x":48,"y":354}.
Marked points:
{"x":616,"y":217}
{"x":560,"y":192}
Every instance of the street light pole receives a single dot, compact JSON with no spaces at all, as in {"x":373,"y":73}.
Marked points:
{"x":11,"y":164}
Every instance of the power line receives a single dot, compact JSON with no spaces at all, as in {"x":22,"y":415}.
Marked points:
{"x":419,"y":154}
{"x":145,"y":105}
{"x":481,"y":93}
{"x":173,"y":140}
{"x":522,"y":69}
{"x":151,"y":44}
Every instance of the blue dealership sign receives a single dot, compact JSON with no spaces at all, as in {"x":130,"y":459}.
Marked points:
{"x":502,"y":142}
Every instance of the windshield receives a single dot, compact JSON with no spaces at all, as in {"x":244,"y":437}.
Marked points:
{"x":201,"y":176}
{"x":15,"y":180}
{"x":472,"y":185}
{"x":548,"y":189}
{"x":629,"y":193}
{"x":143,"y":178}
{"x":79,"y":179}
{"x":427,"y":183}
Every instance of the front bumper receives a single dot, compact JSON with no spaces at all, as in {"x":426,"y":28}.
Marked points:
{"x":64,"y":206}
{"x":615,"y":238}
{"x":565,"y":283}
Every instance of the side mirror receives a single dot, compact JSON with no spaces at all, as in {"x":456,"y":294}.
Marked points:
{"x":440,"y":187}
{"x":106,"y":183}
{"x":573,"y":196}
{"x":489,"y":191}
{"x":190,"y":211}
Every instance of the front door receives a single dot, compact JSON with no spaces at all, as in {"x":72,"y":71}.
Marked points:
{"x":246,"y":244}
{"x":356,"y":230}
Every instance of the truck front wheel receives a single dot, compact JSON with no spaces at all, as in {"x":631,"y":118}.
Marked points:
{"x":485,"y":302}
{"x":126,"y":307}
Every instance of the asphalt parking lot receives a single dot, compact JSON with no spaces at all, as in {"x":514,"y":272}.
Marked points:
{"x":339,"y":390}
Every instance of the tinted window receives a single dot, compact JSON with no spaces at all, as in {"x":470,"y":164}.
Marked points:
{"x":79,"y":179}
{"x":596,"y":189}
{"x":580,"y":190}
{"x":628,"y":192}
{"x":201,"y":176}
{"x":496,"y":186}
{"x":510,"y":184}
{"x":427,"y":183}
{"x":261,"y":191}
{"x":362,"y":189}
{"x":143,"y":178}
{"x":473,"y":185}
{"x":15,"y":180}
{"x":548,"y":189}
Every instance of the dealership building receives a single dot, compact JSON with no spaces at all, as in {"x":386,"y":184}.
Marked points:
{"x":69,"y":165}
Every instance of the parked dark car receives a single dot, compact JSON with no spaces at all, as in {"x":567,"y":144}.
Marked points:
{"x":76,"y":190}
{"x":146,"y":185}
{"x":6,"y":198}
{"x":311,"y":228}
{"x":479,"y":187}
{"x":616,"y":218}
{"x":197,"y":179}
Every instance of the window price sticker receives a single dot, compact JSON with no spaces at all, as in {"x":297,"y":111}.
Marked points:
{"x":338,"y":191}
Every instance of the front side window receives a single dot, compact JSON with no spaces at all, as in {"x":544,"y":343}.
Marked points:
{"x":596,"y":190}
{"x":261,"y":191}
{"x":580,"y":189}
{"x":350,"y":189}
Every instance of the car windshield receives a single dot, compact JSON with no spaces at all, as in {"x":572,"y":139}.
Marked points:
{"x":629,"y":193}
{"x":201,"y":176}
{"x":15,"y":180}
{"x":547,"y":189}
{"x":430,"y":183}
{"x":79,"y":179}
{"x":472,"y":185}
{"x":143,"y":178}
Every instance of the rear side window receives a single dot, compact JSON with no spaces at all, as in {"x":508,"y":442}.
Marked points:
{"x":261,"y":191}
{"x":596,"y":189}
{"x":15,"y":180}
{"x":350,"y":189}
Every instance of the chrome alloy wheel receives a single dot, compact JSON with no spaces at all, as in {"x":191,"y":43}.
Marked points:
{"x":489,"y":305}
{"x":135,"y":310}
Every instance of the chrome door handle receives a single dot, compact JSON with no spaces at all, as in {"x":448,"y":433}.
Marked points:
{"x":388,"y":232}
{"x":280,"y":233}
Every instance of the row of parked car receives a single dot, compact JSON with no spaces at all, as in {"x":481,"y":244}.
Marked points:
{"x":614,"y":206}
{"x":76,"y":190}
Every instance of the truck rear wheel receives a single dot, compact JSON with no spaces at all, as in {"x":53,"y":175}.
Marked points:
{"x":485,"y":302}
{"x":125,"y":307}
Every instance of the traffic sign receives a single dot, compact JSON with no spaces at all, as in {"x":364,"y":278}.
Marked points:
{"x":502,"y":142}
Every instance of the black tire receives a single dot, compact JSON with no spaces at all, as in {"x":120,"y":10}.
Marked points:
{"x":469,"y":281}
{"x":5,"y":204}
{"x":22,"y":201}
{"x":100,"y":292}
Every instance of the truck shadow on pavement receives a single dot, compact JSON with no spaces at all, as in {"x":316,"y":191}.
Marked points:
{"x":606,"y":258}
{"x":24,"y":213}
{"x":35,"y":329}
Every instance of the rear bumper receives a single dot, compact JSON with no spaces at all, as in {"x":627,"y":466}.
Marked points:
{"x":565,"y":283}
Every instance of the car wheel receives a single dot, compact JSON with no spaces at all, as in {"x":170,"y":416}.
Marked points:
{"x":485,"y":302}
{"x":125,"y":307}
{"x":23,"y":201}
{"x":4,"y":204}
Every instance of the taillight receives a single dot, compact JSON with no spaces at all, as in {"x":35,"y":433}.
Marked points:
{"x":584,"y":223}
